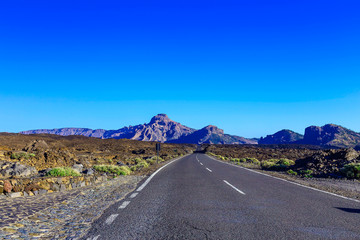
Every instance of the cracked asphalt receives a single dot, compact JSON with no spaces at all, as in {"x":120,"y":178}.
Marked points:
{"x":186,"y":201}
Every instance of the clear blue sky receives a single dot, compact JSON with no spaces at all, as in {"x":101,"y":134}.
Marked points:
{"x":249,"y":67}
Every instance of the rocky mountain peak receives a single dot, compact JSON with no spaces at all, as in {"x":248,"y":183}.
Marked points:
{"x":160,"y":118}
{"x":213,"y":129}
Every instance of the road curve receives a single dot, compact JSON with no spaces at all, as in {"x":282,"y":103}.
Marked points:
{"x":197,"y":197}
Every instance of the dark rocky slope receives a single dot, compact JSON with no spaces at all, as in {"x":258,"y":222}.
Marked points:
{"x":331,"y":135}
{"x":282,"y":137}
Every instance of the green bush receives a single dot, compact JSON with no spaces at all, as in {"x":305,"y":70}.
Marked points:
{"x":63,"y":172}
{"x":253,"y":161}
{"x":18,"y":155}
{"x":291,"y":172}
{"x":307,"y":173}
{"x":242,"y":159}
{"x":351,"y":170}
{"x":118,"y":170}
{"x":277,"y":164}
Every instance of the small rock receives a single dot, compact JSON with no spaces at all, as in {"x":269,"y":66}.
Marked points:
{"x":7,"y":186}
{"x":14,"y":194}
{"x":89,"y":171}
{"x":78,"y":167}
{"x":42,"y":191}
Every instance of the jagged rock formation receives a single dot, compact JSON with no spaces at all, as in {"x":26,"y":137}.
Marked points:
{"x":331,"y":135}
{"x":282,"y":137}
{"x":213,"y":135}
{"x":161,"y":128}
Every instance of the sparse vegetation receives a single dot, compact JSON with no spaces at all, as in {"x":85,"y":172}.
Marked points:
{"x":22,"y":155}
{"x":118,"y":170}
{"x":351,"y":170}
{"x":291,"y":172}
{"x":63,"y":172}
{"x":277,"y":164}
{"x":307,"y":173}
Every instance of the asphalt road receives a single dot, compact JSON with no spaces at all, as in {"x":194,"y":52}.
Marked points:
{"x":197,"y":197}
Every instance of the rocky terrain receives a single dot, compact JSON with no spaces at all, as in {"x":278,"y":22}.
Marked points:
{"x":43,"y":151}
{"x":328,"y":135}
{"x":160,"y":128}
{"x":300,"y":160}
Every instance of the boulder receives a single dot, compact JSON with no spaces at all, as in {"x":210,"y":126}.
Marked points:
{"x":78,"y":167}
{"x":7,"y":186}
{"x":139,"y":151}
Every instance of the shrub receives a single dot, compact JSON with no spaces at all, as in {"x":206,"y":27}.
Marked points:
{"x":277,"y":164}
{"x":291,"y":172}
{"x":118,"y":170}
{"x":18,"y":155}
{"x":267,"y":164}
{"x":253,"y":161}
{"x":351,"y":170}
{"x":307,"y":173}
{"x":63,"y":172}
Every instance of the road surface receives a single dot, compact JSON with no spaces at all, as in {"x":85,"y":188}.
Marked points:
{"x":197,"y":197}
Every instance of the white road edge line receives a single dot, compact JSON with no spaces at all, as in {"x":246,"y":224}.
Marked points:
{"x":152,"y":175}
{"x":111,"y":218}
{"x":124,"y":204}
{"x":94,"y":238}
{"x":298,"y":184}
{"x":233,"y":187}
{"x":209,"y":170}
{"x":134,"y":195}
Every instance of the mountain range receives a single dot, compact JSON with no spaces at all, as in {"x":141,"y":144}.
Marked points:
{"x":162,"y":129}
{"x":328,"y":135}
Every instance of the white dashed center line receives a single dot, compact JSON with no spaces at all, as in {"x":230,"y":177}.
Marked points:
{"x":124,"y":204}
{"x":201,"y":164}
{"x":110,"y":219}
{"x":234,"y":187}
{"x":134,"y":195}
{"x":209,"y":170}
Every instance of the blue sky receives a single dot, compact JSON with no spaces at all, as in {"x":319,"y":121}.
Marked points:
{"x":249,"y":67}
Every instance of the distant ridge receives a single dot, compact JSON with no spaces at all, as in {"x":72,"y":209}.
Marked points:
{"x":160,"y":128}
{"x":213,"y":135}
{"x":328,"y":135}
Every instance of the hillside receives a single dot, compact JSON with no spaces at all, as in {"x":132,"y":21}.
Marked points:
{"x":331,"y":135}
{"x":282,"y":137}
